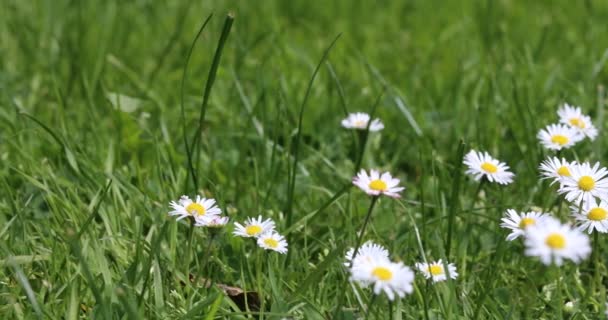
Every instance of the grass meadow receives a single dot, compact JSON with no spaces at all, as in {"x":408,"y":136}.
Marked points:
{"x":110,"y":110}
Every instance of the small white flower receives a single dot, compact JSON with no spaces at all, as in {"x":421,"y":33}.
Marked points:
{"x":375,"y":184}
{"x":483,"y":165}
{"x":519,"y":222}
{"x":366,"y":253}
{"x":201,"y":210}
{"x":253,"y":227}
{"x":394,"y":279}
{"x":359,"y":121}
{"x":556,"y":169}
{"x":553,"y":242}
{"x":584,"y":183}
{"x":213,"y":222}
{"x":273,"y":241}
{"x":574,"y":117}
{"x":593,"y":216}
{"x":558,"y":136}
{"x":436,"y":270}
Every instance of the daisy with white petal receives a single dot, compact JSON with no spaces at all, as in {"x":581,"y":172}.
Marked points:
{"x":359,"y":121}
{"x":574,"y":117}
{"x":519,"y":222}
{"x":273,"y":241}
{"x":377,"y":184}
{"x":213,"y":222}
{"x":554,"y":168}
{"x":553,"y":242}
{"x":482,"y":165}
{"x":436,"y":271}
{"x":592,"y":216}
{"x":584,"y":183}
{"x":201,"y":209}
{"x":366,"y":253}
{"x":394,"y":279}
{"x":559,"y":136}
{"x":254,"y":227}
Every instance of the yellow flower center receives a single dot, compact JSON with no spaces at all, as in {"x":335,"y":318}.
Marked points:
{"x":586,"y":183}
{"x":271,"y":243}
{"x":563,"y":171}
{"x":597,"y":214}
{"x":253,"y":230}
{"x":436,"y":270}
{"x":525,"y":222}
{"x":195,"y":208}
{"x":577,"y":122}
{"x":382,"y":273}
{"x":556,"y":241}
{"x":559,"y":139}
{"x":488,"y":167}
{"x":360,"y":123}
{"x":378,"y":185}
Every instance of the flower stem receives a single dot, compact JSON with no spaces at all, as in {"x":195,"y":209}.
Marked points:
{"x":362,"y":232}
{"x":370,"y":305}
{"x":189,"y":251}
{"x":559,"y":300}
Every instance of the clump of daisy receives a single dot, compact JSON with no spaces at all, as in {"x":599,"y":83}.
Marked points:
{"x":556,"y":169}
{"x":592,"y":216}
{"x":273,"y":241}
{"x":254,"y":227}
{"x":383,"y":275}
{"x":436,"y":271}
{"x":482,"y":165}
{"x":559,"y":136}
{"x":366,"y":253}
{"x":263,"y":232}
{"x":554,"y":242}
{"x":584,"y":183}
{"x":574,"y":117}
{"x":376,"y":184}
{"x":359,"y":120}
{"x":519,"y":222}
{"x":202,"y":211}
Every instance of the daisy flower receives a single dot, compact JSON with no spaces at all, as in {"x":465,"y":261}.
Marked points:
{"x":553,"y":242}
{"x":201,"y":210}
{"x":556,"y":169}
{"x":574,"y":117}
{"x":213,"y":222}
{"x":483,"y":165}
{"x":375,"y":184}
{"x":273,"y":241}
{"x":592,"y":216}
{"x":366,"y":253}
{"x":519,"y":222}
{"x":392,"y":278}
{"x":436,"y":271}
{"x":584,"y":183}
{"x":558,"y":136}
{"x":253,"y":227}
{"x":359,"y":121}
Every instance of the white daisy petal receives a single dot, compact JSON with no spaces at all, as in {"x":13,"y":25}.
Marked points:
{"x":574,"y":117}
{"x":584,"y":183}
{"x":392,"y":278}
{"x":559,"y":136}
{"x":254,"y":227}
{"x":436,"y":270}
{"x":519,"y":222}
{"x":375,"y":184}
{"x":273,"y":241}
{"x":592,"y":216}
{"x":359,"y":120}
{"x":482,"y":165}
{"x":554,"y":242}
